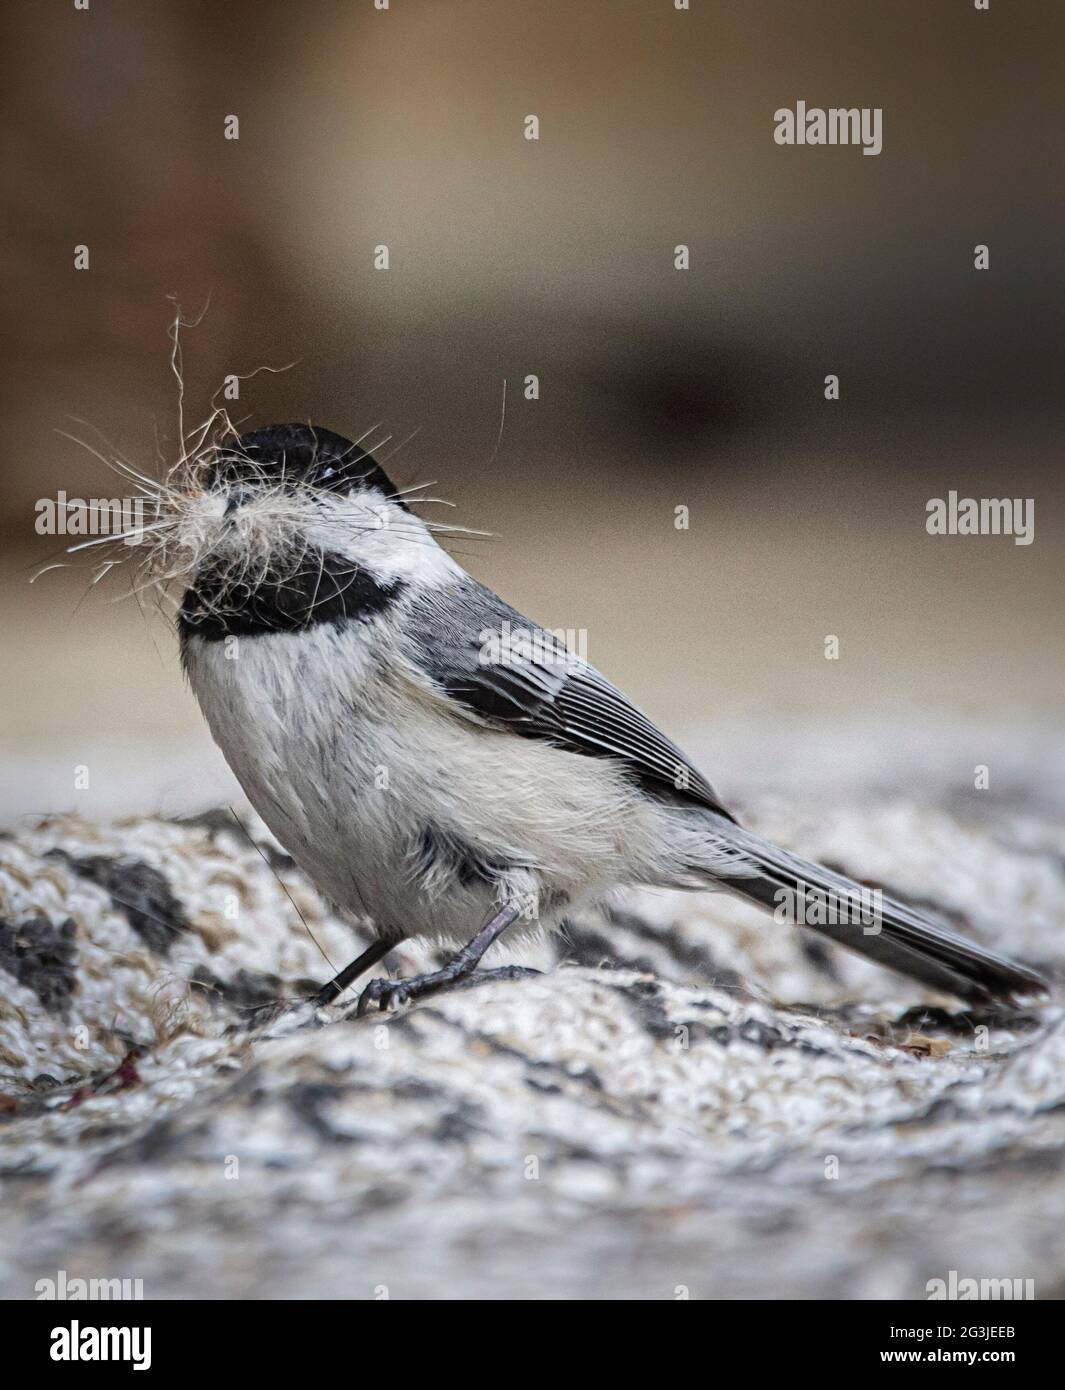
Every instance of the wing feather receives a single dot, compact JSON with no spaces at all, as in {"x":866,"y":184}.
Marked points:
{"x":538,"y":689}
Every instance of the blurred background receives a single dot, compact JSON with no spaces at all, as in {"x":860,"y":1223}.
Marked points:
{"x":658,"y":388}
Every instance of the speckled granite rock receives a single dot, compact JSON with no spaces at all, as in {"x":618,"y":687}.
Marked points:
{"x":692,"y":1100}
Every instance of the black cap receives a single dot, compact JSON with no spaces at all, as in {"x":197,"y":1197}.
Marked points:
{"x":299,"y":456}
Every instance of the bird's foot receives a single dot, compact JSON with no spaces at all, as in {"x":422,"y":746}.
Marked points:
{"x":502,"y":972}
{"x":393,"y":994}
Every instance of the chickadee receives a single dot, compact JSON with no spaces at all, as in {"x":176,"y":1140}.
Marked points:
{"x":439,"y":763}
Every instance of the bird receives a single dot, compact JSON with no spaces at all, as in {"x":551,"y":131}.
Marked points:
{"x":442,"y":766}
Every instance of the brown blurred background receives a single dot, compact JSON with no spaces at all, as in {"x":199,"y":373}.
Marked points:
{"x":658,"y":388}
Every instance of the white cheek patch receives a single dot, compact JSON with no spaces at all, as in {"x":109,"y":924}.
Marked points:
{"x":372,"y":531}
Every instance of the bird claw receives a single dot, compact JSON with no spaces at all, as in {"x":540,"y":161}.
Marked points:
{"x":393,"y":994}
{"x":386,"y":994}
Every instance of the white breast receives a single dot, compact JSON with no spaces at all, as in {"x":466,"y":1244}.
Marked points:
{"x":348,"y":763}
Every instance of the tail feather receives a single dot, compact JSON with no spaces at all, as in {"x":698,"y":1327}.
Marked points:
{"x":891,"y":934}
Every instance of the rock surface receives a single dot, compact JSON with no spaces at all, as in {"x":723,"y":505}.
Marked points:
{"x":693,"y":1101}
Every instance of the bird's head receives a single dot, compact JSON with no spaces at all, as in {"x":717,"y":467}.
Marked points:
{"x":291,"y":525}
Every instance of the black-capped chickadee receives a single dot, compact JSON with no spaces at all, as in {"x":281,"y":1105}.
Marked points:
{"x":439,"y":763}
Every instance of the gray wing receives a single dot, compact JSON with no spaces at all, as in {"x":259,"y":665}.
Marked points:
{"x":512,"y":673}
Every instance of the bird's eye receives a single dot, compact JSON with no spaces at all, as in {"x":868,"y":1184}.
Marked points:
{"x":340,"y":475}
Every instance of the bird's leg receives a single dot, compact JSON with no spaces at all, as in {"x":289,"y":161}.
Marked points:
{"x":359,"y":966}
{"x":461,"y":966}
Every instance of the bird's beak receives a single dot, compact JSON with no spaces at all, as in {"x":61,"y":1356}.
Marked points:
{"x":236,"y":497}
